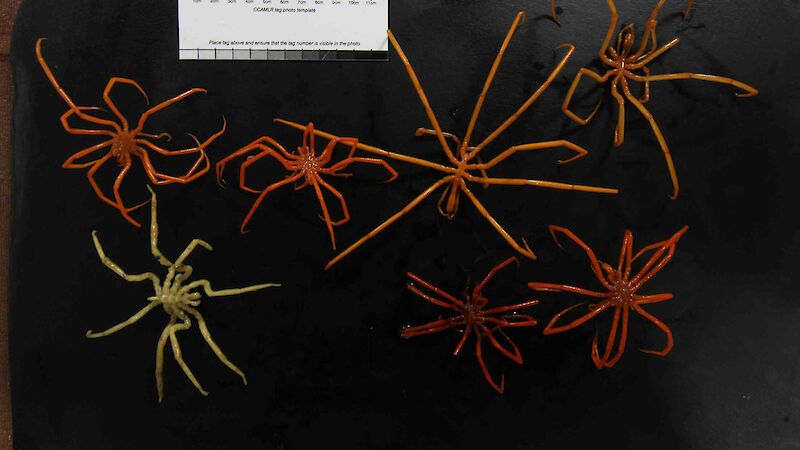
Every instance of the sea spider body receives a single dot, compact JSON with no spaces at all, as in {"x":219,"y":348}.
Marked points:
{"x":473,"y":317}
{"x":623,"y":63}
{"x":303,"y":164}
{"x":459,"y":171}
{"x":621,"y":294}
{"x":178,"y":300}
{"x":123,"y":142}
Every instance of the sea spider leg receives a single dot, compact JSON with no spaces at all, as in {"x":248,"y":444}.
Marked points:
{"x":571,"y":92}
{"x":353,"y":159}
{"x":520,"y":17}
{"x":161,"y":179}
{"x":201,"y":323}
{"x":514,"y":354}
{"x":437,"y":290}
{"x":579,"y":152}
{"x":118,"y":270}
{"x":522,"y":305}
{"x":107,"y":97}
{"x":524,"y":249}
{"x":647,"y":299}
{"x":162,"y":341}
{"x":117,"y":183}
{"x":527,"y":104}
{"x":625,"y":255}
{"x":479,"y":288}
{"x":423,"y":98}
{"x":659,"y":137}
{"x":190,"y":248}
{"x":133,"y":319}
{"x":749,"y":90}
{"x":206,"y":285}
{"x":589,"y":252}
{"x":598,"y":308}
{"x":551,"y":287}
{"x":644,"y":275}
{"x":265,"y":144}
{"x":390,"y":220}
{"x":345,"y":213}
{"x":498,"y":387}
{"x":145,"y":115}
{"x":154,"y":232}
{"x":264,"y":193}
{"x":619,"y":130}
{"x":646,"y":88}
{"x":647,"y":59}
{"x":612,"y":25}
{"x":604,"y":361}
{"x":432,"y":327}
{"x":71,"y":164}
{"x":90,"y":175}
{"x":70,"y":129}
{"x":288,"y":165}
{"x":64,"y":94}
{"x":670,"y":341}
{"x":326,"y":215}
{"x":430,"y":298}
{"x":176,"y":351}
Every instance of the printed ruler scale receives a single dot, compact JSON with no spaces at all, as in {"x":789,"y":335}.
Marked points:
{"x":283,"y":30}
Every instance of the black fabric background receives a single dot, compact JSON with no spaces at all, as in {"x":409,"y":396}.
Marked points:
{"x":323,"y":356}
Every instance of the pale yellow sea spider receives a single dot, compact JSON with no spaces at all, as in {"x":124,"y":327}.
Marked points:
{"x":177,"y":299}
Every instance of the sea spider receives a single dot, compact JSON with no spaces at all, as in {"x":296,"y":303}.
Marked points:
{"x":623,"y":65}
{"x":123,"y":142}
{"x":458,"y":174}
{"x":621,"y":293}
{"x":305,"y":163}
{"x":178,"y":300}
{"x":474,"y":319}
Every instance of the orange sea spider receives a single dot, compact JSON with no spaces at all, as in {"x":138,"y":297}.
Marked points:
{"x":474,"y":319}
{"x":176,"y":297}
{"x":621,"y":294}
{"x":124,"y":142}
{"x":463,"y":161}
{"x":306,"y":164}
{"x":624,"y":62}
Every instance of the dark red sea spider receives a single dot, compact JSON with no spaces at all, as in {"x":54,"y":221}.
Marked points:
{"x":472,"y":316}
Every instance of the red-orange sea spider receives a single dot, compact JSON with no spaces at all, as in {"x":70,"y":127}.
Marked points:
{"x":459,"y":173}
{"x":305,"y":164}
{"x":624,"y":62}
{"x":123,"y":142}
{"x":621,"y":294}
{"x":471,"y":315}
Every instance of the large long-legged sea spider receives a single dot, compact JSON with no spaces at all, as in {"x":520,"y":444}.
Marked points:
{"x":458,"y":174}
{"x":124,"y":142}
{"x":624,"y":62}
{"x":306,"y":164}
{"x":474,"y":319}
{"x":176,"y":297}
{"x":621,"y":294}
